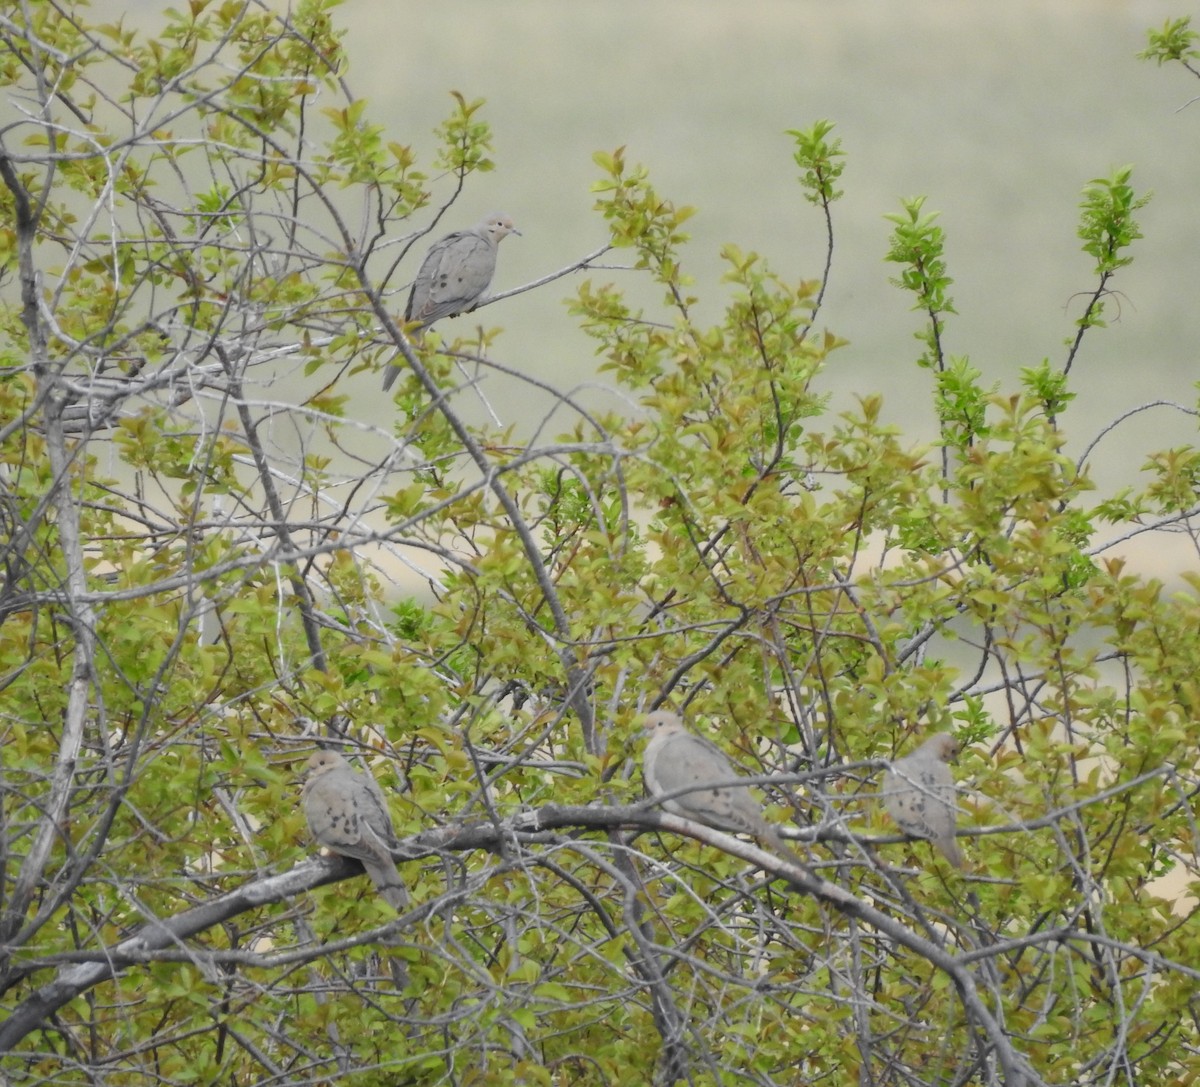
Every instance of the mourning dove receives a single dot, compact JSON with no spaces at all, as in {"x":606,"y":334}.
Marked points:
{"x":347,"y":813}
{"x":454,"y":276}
{"x":676,"y":759}
{"x":918,"y":792}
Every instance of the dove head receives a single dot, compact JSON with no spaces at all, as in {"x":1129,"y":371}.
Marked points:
{"x":497,"y":226}
{"x":662,"y":721}
{"x":321,"y":762}
{"x":943,"y":746}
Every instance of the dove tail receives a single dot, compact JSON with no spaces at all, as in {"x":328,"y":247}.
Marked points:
{"x":387,"y":881}
{"x":392,"y":371}
{"x":953,"y":854}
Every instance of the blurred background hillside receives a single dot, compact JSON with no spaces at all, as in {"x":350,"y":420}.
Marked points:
{"x":999,"y":113}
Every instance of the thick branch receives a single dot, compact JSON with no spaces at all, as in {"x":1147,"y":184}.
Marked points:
{"x":527,"y":828}
{"x":77,"y":614}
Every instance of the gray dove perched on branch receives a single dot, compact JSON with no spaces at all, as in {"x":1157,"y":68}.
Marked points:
{"x":918,"y":792}
{"x":347,"y":813}
{"x":676,"y":759}
{"x":454,"y":276}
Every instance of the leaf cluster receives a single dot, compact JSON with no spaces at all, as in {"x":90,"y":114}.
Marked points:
{"x":208,"y":572}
